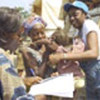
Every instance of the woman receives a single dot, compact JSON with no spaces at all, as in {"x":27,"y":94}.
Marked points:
{"x":38,"y":50}
{"x":88,"y":31}
{"x":11,"y":85}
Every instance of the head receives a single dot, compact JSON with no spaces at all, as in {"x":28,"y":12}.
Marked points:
{"x":10,"y":22}
{"x":77,"y":12}
{"x":37,"y":32}
{"x":61,"y":38}
{"x":35,"y":29}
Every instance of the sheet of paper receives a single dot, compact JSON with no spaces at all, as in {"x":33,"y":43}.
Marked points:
{"x":62,"y":86}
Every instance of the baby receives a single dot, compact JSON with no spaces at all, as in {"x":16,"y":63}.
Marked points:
{"x":65,"y":66}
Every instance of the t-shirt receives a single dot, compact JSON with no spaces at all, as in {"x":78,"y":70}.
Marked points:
{"x":89,"y":26}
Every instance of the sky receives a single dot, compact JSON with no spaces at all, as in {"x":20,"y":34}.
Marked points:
{"x":17,"y":3}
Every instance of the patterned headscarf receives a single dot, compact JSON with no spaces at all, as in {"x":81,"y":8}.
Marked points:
{"x":29,"y":26}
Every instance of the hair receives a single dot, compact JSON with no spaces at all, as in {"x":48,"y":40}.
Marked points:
{"x":61,"y":38}
{"x":10,"y":20}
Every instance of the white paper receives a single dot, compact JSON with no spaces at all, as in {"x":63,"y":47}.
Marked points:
{"x":62,"y":86}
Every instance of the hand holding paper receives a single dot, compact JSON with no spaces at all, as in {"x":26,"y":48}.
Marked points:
{"x":62,"y":86}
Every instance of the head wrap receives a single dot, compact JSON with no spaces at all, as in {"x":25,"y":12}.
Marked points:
{"x":29,"y":26}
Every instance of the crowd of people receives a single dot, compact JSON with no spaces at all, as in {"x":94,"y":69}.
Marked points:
{"x":27,"y":55}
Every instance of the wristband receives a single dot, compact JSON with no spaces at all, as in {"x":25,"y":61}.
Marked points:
{"x":65,"y":56}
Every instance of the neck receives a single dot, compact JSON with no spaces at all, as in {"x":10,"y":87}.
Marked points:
{"x":79,"y":28}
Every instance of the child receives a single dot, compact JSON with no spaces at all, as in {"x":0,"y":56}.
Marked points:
{"x":66,"y":66}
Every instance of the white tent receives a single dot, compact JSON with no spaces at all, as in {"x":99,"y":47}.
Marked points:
{"x":51,"y":11}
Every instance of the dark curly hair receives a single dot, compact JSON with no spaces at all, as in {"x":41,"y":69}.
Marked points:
{"x":61,"y":38}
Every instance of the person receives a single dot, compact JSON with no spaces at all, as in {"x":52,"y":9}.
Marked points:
{"x":12,"y":87}
{"x":66,"y":66}
{"x":89,"y":60}
{"x":38,"y":48}
{"x":35,"y":64}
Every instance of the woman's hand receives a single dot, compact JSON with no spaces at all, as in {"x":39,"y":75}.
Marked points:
{"x":55,"y":58}
{"x":54,"y":74}
{"x":43,"y":41}
{"x":61,"y":49}
{"x":32,"y":80}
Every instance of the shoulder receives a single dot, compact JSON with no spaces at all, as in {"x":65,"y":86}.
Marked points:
{"x":89,"y":22}
{"x":89,"y":26}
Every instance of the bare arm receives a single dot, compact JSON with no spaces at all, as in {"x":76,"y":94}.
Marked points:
{"x":42,"y":69}
{"x":53,"y":46}
{"x":43,"y":66}
{"x":48,"y":43}
{"x":91,"y":53}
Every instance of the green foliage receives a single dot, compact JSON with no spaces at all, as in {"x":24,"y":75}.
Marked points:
{"x":24,"y":13}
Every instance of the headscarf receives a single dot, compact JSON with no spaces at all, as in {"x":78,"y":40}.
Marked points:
{"x":37,"y":20}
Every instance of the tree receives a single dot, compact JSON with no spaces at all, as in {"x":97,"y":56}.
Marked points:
{"x":24,"y":13}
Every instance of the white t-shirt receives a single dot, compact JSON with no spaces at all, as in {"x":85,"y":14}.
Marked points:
{"x":89,"y":26}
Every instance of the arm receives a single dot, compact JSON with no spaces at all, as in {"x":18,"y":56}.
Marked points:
{"x":43,"y":66}
{"x":29,"y":81}
{"x":53,"y":46}
{"x":31,"y":61}
{"x":91,"y":53}
{"x":42,"y":69}
{"x":47,"y":42}
{"x":42,"y":41}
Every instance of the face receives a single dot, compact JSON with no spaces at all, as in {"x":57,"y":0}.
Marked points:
{"x":76,"y":17}
{"x":10,"y":41}
{"x":37,"y":33}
